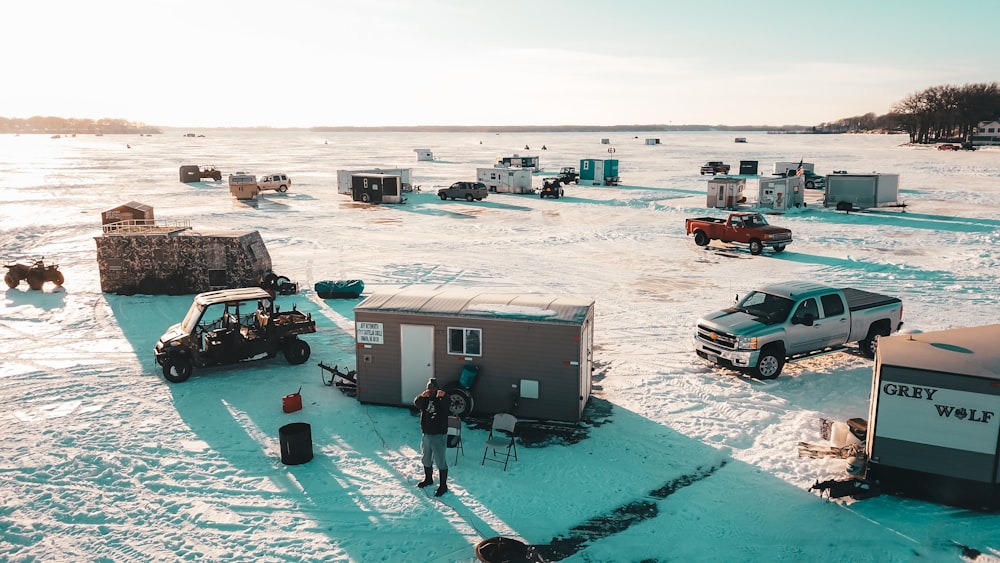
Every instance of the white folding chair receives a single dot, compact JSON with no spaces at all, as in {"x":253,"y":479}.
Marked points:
{"x":500,"y":445}
{"x":455,"y":436}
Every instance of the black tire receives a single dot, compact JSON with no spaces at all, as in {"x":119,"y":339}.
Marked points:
{"x":365,"y":198}
{"x":177,"y":369}
{"x":282,"y":188}
{"x":296,"y":351}
{"x":469,"y":198}
{"x":869,"y":346}
{"x":810,"y":185}
{"x":541,"y":195}
{"x":769,"y":364}
{"x":460,"y":401}
{"x":57,"y":278}
{"x":11,"y":280}
{"x":443,"y":196}
{"x":36,"y":279}
{"x":779,"y":248}
{"x":756,"y":247}
{"x":700,"y":238}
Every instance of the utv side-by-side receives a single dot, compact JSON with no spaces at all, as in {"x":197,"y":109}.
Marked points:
{"x":231,"y":326}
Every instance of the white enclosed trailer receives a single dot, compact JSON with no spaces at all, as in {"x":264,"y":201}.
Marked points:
{"x":506,"y":180}
{"x":847,"y":192}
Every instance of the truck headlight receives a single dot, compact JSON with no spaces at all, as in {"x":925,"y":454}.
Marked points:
{"x":746,"y":342}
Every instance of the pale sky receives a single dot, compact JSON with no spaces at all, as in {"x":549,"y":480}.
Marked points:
{"x":304,"y":63}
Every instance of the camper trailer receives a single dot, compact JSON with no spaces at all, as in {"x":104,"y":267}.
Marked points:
{"x":726,"y":193}
{"x":345,"y":185}
{"x":517,"y":161}
{"x":934,"y":421}
{"x":506,"y":180}
{"x":524,"y":354}
{"x":376,"y":188}
{"x":780,"y":194}
{"x":790,"y":168}
{"x":847,"y":192}
{"x":595,"y":172}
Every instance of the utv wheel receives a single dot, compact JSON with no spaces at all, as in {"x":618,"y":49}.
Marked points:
{"x":460,"y":401}
{"x":296,"y":351}
{"x":177,"y":369}
{"x":57,"y":278}
{"x":869,"y":346}
{"x":36,"y":279}
{"x":700,"y":238}
{"x":756,"y":247}
{"x":769,"y":365}
{"x":11,"y":280}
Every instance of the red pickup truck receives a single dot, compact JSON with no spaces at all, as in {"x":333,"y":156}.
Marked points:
{"x":744,"y":228}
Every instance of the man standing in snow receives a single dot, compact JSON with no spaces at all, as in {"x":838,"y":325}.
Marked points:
{"x":433,"y":405}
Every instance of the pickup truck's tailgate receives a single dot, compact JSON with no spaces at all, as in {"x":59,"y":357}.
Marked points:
{"x":858,"y":299}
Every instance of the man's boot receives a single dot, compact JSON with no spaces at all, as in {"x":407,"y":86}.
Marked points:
{"x":428,"y":477}
{"x":443,"y":487}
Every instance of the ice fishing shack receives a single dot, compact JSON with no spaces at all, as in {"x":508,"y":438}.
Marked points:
{"x":376,"y":188}
{"x":599,"y":172}
{"x":934,"y":419}
{"x":525,"y":354}
{"x":725,"y":192}
{"x":781,"y":193}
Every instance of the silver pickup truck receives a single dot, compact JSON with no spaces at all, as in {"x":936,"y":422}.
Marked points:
{"x":793,"y":320}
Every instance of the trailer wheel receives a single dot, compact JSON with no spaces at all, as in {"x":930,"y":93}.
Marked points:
{"x":11,"y":280}
{"x":700,"y":238}
{"x":296,"y":351}
{"x":779,"y":248}
{"x":769,"y":365}
{"x":177,"y":369}
{"x":869,"y":346}
{"x":365,"y":198}
{"x":756,"y":247}
{"x":460,"y":401}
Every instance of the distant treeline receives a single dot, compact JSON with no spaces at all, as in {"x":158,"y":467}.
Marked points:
{"x":565,"y":128}
{"x":938,"y":113}
{"x":66,"y":126}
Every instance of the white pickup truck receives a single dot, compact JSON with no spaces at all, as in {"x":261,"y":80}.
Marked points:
{"x":794,"y":320}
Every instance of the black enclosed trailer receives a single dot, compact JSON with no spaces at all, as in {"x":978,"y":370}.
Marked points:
{"x":934,"y":420}
{"x":376,"y":188}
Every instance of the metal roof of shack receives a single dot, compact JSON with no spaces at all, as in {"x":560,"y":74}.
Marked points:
{"x":465,"y":303}
{"x":966,"y":351}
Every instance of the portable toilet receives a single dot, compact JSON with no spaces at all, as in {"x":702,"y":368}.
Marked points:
{"x":424,"y":154}
{"x":726,"y":192}
{"x":781,"y":194}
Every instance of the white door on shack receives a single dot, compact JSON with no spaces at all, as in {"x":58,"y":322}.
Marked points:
{"x":416,"y":343}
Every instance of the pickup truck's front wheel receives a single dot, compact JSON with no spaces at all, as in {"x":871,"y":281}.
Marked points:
{"x":756,"y":247}
{"x":700,"y":238}
{"x":769,"y":364}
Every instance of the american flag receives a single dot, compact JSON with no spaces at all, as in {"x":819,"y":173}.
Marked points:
{"x":800,"y":171}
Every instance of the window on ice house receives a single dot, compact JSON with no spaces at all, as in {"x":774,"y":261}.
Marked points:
{"x":465,"y":341}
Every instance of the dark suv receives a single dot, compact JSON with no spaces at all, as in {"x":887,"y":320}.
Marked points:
{"x":464,"y":190}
